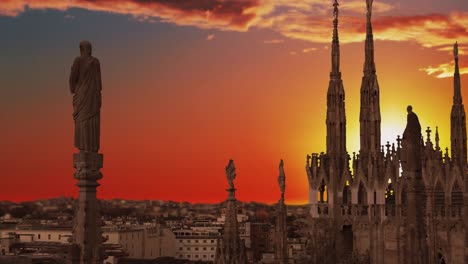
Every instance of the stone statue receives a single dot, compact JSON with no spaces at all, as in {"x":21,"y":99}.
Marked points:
{"x":85,"y":85}
{"x":282,"y":178}
{"x":335,"y":10}
{"x":412,"y":142}
{"x":231,"y":174}
{"x":369,"y":7}
{"x":455,"y":49}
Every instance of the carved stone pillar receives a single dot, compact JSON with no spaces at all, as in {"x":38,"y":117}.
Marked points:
{"x":87,"y":234}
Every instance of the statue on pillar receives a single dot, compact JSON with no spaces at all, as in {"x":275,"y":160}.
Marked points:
{"x":282,"y":178}
{"x":85,"y":85}
{"x":231,"y":174}
{"x":412,"y":142}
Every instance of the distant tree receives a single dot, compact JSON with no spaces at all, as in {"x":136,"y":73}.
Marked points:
{"x":19,"y":212}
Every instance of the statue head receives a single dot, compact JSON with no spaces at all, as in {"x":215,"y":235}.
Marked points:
{"x":409,"y":109}
{"x":85,"y":48}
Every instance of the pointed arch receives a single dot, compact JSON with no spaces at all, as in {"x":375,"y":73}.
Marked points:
{"x":347,"y":193}
{"x":322,"y":194}
{"x":362,"y":194}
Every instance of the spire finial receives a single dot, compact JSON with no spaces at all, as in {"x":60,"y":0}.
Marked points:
{"x":369,"y":8}
{"x":335,"y":10}
{"x":428,"y":132}
{"x":437,"y":138}
{"x":336,"y":43}
{"x":369,"y":65}
{"x":455,"y":49}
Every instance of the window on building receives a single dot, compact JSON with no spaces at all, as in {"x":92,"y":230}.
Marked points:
{"x":196,"y":249}
{"x":188,"y":256}
{"x":49,"y":236}
{"x":180,"y":249}
{"x":181,"y":241}
{"x":204,"y":241}
{"x":196,"y":256}
{"x":196,"y":241}
{"x":212,"y":256}
{"x":212,"y":241}
{"x":188,"y":249}
{"x":38,"y":236}
{"x":60,"y":236}
{"x":188,"y":241}
{"x":204,"y":248}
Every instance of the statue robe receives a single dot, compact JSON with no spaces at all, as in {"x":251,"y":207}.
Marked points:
{"x":85,"y":84}
{"x":412,"y":143}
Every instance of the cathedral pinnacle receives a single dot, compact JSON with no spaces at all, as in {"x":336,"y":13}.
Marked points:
{"x":457,"y":98}
{"x":336,"y":43}
{"x":369,"y":65}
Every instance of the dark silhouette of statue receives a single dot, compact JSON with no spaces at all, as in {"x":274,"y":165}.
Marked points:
{"x":231,"y":174}
{"x":85,"y":85}
{"x":412,"y":142}
{"x":282,"y":178}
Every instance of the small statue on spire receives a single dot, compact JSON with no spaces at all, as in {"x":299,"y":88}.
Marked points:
{"x":335,"y":10}
{"x":455,"y":49}
{"x":231,"y":174}
{"x":369,"y":7}
{"x":282,"y":178}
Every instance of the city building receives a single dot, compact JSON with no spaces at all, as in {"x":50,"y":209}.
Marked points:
{"x":196,"y":245}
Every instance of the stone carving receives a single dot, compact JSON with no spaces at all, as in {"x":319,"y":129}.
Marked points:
{"x":282,"y":178}
{"x":85,"y":85}
{"x":411,"y":159}
{"x":335,"y":9}
{"x":369,"y":7}
{"x":231,"y":173}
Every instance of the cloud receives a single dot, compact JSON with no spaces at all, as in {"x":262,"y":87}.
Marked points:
{"x":292,"y":53}
{"x":307,"y":50}
{"x":219,"y":14}
{"x":462,"y":49}
{"x":445,"y":70}
{"x":210,"y":37}
{"x":308,"y":20}
{"x":274,"y":41}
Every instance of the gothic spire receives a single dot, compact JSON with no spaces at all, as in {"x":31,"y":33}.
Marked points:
{"x":458,"y":118}
{"x":335,"y":44}
{"x":369,"y":65}
{"x":457,"y":98}
{"x":370,"y":97}
{"x":336,"y":117}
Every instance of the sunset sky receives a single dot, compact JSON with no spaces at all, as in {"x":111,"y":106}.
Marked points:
{"x":190,"y":84}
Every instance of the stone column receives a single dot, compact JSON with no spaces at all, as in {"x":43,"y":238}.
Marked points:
{"x":87,"y":234}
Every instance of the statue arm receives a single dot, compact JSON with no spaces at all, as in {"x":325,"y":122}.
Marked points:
{"x":74,"y":74}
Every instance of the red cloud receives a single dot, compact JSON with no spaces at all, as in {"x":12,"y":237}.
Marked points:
{"x":221,"y":14}
{"x":308,"y":20}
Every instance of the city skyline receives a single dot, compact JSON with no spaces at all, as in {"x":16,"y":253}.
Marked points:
{"x":192,"y":93}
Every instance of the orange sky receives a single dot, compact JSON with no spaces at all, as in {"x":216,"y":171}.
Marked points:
{"x":185,"y":90}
